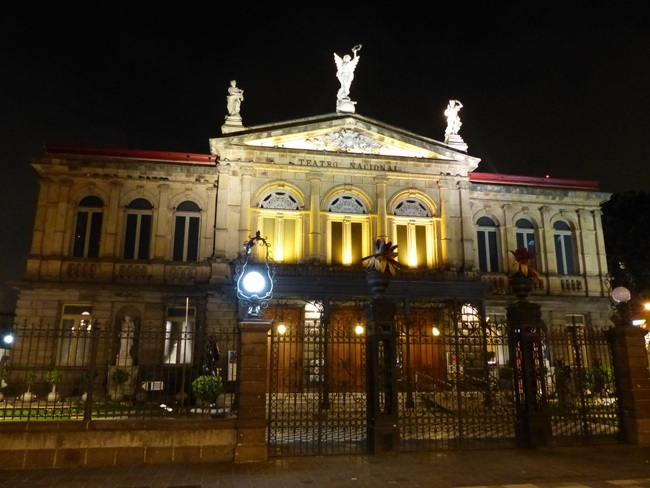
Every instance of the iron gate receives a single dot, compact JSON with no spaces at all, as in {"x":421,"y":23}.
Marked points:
{"x":317,"y":395}
{"x":582,"y":400}
{"x":456,"y":385}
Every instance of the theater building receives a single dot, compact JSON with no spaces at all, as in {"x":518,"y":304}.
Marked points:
{"x":153,"y":239}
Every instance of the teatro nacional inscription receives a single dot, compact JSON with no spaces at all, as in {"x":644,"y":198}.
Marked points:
{"x":324,"y":163}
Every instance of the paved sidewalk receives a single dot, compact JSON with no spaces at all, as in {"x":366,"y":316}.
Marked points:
{"x":585,"y":467}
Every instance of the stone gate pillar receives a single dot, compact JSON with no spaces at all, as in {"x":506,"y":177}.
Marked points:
{"x":632,"y":378}
{"x":381,"y":376}
{"x":525,"y":336}
{"x":251,"y":395}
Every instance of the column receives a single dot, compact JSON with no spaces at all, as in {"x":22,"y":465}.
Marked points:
{"x":382,"y":211}
{"x":314,"y":251}
{"x":244,"y":205}
{"x":253,"y":371}
{"x":632,"y":379}
{"x":381,"y":376}
{"x":525,"y":339}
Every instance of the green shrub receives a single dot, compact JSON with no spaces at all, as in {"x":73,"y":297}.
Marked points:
{"x":207,"y":387}
{"x":120,"y":376}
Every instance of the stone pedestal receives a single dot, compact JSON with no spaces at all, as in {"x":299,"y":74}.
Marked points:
{"x":233,"y":124}
{"x":345,"y":106}
{"x":632,"y":383}
{"x":457,"y":142}
{"x":253,"y":371}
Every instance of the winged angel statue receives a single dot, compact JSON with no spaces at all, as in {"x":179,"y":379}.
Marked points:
{"x":345,"y":72}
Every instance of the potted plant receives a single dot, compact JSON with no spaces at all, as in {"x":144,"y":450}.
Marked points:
{"x":118,"y":378}
{"x":53,"y":377}
{"x":28,"y":396}
{"x":381,"y":265}
{"x":207,"y":388}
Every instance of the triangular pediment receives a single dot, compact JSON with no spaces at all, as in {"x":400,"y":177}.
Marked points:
{"x":336,"y":133}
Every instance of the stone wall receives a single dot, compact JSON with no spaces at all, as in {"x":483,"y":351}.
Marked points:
{"x":58,"y":444}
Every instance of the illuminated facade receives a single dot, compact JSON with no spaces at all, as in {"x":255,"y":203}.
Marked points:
{"x":152,"y":235}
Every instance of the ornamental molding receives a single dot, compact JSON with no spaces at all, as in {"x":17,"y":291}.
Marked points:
{"x":346,"y":140}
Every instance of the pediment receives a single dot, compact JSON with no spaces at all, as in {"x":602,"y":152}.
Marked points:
{"x":352,"y":134}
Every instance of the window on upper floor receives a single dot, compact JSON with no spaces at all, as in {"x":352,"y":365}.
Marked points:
{"x":187,"y":220}
{"x":487,"y":241}
{"x":564,"y":251}
{"x":413,"y":233}
{"x":525,"y":236}
{"x":348,"y":230}
{"x":88,"y":228}
{"x":280,"y":222}
{"x":76,"y":325}
{"x":137,"y":237}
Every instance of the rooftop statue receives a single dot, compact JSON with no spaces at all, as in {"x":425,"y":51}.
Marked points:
{"x":453,"y":120}
{"x":234,"y":98}
{"x":345,"y":73}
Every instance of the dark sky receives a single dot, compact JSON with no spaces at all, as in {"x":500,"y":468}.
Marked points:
{"x":558,"y":88}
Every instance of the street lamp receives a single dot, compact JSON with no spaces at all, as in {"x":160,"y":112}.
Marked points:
{"x":621,"y":297}
{"x":255,"y":279}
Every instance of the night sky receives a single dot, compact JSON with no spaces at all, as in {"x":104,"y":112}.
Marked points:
{"x":548,"y":88}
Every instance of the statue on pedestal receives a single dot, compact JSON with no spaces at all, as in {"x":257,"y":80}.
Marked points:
{"x":345,"y":73}
{"x":127,"y":335}
{"x":453,"y":120}
{"x":234,"y":99}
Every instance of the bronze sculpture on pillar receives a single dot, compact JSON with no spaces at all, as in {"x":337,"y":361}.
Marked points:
{"x":526,"y":333}
{"x":381,"y":350}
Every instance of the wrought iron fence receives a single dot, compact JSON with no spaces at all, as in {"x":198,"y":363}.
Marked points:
{"x":50,"y":373}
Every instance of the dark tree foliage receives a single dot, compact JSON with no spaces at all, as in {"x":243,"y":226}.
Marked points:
{"x":626,"y":227}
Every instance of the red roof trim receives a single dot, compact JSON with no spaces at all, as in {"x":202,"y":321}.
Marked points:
{"x":532,"y":181}
{"x":130,"y":153}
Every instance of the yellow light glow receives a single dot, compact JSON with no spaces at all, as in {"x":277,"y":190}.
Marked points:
{"x":359,"y":329}
{"x":282,"y":329}
{"x":435,"y":331}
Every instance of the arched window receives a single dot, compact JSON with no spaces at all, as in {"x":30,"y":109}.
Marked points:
{"x":564,"y":255}
{"x":525,"y":236}
{"x":137,"y":237}
{"x":187,"y":220}
{"x":488,"y":251}
{"x":281,"y":224}
{"x":88,"y":228}
{"x":413,"y":233}
{"x":348,"y":234}
{"x":281,"y":200}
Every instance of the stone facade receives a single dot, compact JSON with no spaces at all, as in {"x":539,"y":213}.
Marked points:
{"x":137,"y":232}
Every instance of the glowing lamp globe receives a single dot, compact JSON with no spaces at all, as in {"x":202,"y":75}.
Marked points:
{"x":620,"y":294}
{"x":253,"y":282}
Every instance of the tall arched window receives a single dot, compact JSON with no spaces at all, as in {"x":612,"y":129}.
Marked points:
{"x":348,"y":231}
{"x":488,"y":251}
{"x":88,"y":228}
{"x":187,"y":220}
{"x":563,"y":237}
{"x":413,"y":231}
{"x":281,"y":224}
{"x":525,"y":236}
{"x":137,"y":237}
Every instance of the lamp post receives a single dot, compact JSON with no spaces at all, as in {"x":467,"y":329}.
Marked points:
{"x":254,"y":292}
{"x":621,"y":297}
{"x":255,"y":279}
